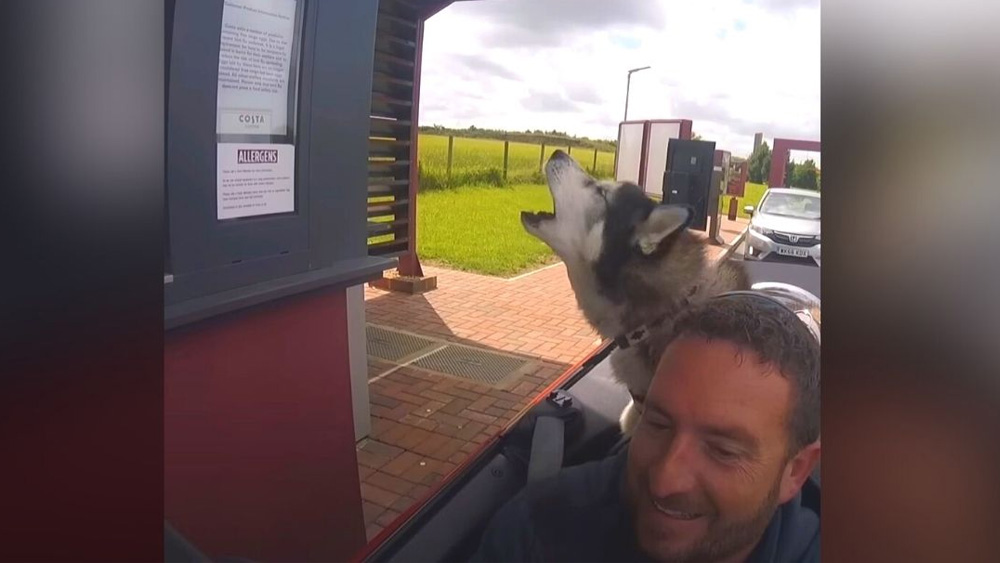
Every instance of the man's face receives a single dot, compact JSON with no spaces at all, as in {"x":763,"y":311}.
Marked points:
{"x":708,"y":463}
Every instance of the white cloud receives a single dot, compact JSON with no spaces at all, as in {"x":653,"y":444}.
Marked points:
{"x":734,"y":67}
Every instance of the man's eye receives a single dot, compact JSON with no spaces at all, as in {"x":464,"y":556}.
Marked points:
{"x":723,"y":453}
{"x":657,"y":423}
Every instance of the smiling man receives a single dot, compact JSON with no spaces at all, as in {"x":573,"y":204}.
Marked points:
{"x":718,"y":469}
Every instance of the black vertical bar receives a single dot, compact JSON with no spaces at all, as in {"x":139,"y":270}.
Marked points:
{"x":451,"y":146}
{"x":506,"y":153}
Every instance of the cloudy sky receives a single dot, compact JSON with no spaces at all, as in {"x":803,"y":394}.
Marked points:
{"x":561,"y":64}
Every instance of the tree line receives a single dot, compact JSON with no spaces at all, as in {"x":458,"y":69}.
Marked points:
{"x":797,"y":174}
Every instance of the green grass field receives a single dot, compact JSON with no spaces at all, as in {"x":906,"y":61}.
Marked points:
{"x":479,"y":162}
{"x":478,"y":229}
{"x":751,"y":196}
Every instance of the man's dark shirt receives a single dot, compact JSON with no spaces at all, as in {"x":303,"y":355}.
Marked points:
{"x":581,"y":515}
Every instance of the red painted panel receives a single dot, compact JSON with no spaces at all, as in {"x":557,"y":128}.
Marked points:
{"x":779,"y":157}
{"x":738,"y":179}
{"x":686,"y":129}
{"x":644,"y":155}
{"x":259,"y":433}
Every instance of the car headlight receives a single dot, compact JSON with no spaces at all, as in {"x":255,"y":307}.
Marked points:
{"x":759,"y":230}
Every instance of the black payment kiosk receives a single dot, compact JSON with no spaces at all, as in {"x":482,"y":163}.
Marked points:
{"x":267,"y":151}
{"x":687,"y":179}
{"x":268,"y":121}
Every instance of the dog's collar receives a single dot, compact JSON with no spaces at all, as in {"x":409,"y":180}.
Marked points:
{"x":629,"y":339}
{"x":638,"y":335}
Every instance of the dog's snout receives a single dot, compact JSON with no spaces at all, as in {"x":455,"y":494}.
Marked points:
{"x":558,"y":155}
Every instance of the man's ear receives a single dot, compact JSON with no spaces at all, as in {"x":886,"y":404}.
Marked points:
{"x":663,"y":221}
{"x":797,"y":470}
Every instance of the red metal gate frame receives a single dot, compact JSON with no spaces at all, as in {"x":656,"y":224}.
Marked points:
{"x":779,"y":158}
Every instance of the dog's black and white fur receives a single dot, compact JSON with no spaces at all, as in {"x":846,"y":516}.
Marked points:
{"x":632,"y":263}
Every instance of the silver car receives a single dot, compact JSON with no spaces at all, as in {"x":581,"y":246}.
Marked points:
{"x":787,"y":223}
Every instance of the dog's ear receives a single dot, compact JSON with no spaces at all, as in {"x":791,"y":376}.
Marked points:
{"x":662,"y":222}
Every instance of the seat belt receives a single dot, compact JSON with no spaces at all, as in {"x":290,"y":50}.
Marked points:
{"x":547,"y":444}
{"x":548,"y":440}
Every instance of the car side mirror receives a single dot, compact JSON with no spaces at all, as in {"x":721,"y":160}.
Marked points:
{"x":748,"y":210}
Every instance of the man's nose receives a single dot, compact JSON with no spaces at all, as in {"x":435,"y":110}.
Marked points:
{"x":675,"y":468}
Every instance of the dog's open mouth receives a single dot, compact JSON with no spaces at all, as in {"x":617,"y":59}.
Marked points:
{"x":536,"y":218}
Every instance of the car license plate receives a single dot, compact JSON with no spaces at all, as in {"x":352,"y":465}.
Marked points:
{"x":796,"y":252}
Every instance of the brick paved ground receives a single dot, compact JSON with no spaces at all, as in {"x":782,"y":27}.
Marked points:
{"x":535,"y":315}
{"x":425,"y":424}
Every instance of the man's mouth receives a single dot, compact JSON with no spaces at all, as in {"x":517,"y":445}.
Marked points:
{"x":535,"y":219}
{"x":676,"y":514}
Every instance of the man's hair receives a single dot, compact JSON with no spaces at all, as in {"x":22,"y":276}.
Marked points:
{"x":778,"y":337}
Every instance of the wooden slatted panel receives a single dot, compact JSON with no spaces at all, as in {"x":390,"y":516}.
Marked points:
{"x":385,"y":18}
{"x":397,"y":27}
{"x":395,"y":128}
{"x":391,"y":92}
{"x":384,"y":188}
{"x":384,"y":105}
{"x":395,"y":148}
{"x":391,"y":64}
{"x":379,"y":209}
{"x":398,"y":8}
{"x":376,"y":228}
{"x":383,"y":167}
{"x":389,"y":84}
{"x":391,"y":130}
{"x":395,"y":46}
{"x":390,"y":248}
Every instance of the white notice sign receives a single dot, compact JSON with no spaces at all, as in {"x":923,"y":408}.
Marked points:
{"x":255,"y":179}
{"x":254,"y":66}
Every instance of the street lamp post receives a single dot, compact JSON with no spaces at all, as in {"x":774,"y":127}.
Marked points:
{"x":628,"y":86}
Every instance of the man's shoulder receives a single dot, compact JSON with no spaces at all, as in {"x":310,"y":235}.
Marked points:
{"x":557,"y":511}
{"x":796,"y":537}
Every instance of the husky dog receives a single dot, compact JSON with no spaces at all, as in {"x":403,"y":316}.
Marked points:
{"x":632,"y":263}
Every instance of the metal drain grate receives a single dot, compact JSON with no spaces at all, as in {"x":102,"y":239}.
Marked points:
{"x":469,"y":363}
{"x":393,"y":346}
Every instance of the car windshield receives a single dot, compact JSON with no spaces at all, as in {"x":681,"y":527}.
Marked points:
{"x":791,"y":205}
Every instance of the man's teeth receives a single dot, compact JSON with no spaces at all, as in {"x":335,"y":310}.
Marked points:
{"x":675,"y":513}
